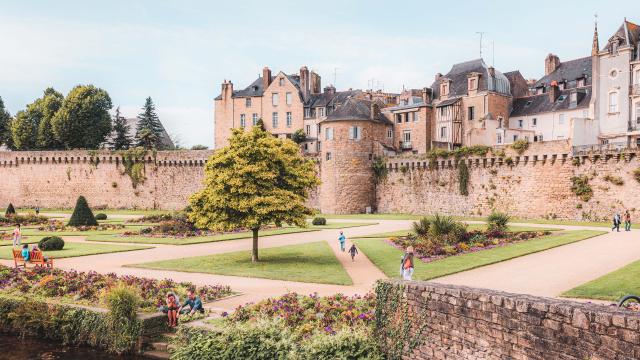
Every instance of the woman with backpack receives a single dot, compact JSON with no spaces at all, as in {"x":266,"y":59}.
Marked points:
{"x":406,"y":264}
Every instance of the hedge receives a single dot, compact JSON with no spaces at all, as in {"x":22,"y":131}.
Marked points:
{"x":82,"y":214}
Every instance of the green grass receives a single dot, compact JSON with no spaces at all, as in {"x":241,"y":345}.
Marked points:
{"x":214,"y":238}
{"x":312,"y":263}
{"x":469,"y":228}
{"x":74,"y":249}
{"x":612,"y":286}
{"x":387,"y":257}
{"x":24,"y":240}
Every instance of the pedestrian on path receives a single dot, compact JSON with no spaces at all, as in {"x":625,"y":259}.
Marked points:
{"x":342,"y":239}
{"x":627,"y":221}
{"x":353,"y":251}
{"x":616,"y":222}
{"x":406,"y":264}
{"x":17,"y":236}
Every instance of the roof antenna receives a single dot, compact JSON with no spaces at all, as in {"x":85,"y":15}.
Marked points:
{"x":481,"y":35}
{"x":493,"y":53}
{"x":335,"y":75}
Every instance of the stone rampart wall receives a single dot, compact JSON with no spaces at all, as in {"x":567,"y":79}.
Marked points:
{"x":468,"y":323}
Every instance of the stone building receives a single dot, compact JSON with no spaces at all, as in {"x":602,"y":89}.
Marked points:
{"x":412,"y":121}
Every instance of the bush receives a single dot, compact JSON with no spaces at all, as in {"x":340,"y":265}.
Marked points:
{"x":445,"y":230}
{"x":615,"y":180}
{"x":497,"y":221}
{"x":299,"y":136}
{"x":82,"y":214}
{"x":421,"y":227}
{"x":10,"y":210}
{"x":101,"y":216}
{"x":581,"y":187}
{"x":319,"y":221}
{"x":50,"y":243}
{"x":122,"y":321}
{"x":520,"y":146}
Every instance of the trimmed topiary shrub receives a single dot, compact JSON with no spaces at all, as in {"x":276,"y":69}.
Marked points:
{"x":319,"y":221}
{"x":82,"y":214}
{"x":10,"y":210}
{"x":51,"y":243}
{"x":101,"y":216}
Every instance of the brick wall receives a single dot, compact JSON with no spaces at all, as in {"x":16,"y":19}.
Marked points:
{"x":469,"y":323}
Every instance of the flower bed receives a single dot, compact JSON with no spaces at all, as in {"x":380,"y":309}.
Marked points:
{"x":59,"y":226}
{"x":471,"y":242}
{"x":89,"y":288}
{"x":29,"y":219}
{"x":179,"y":230}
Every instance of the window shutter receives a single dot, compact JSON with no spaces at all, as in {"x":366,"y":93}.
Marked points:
{"x":359,"y":135}
{"x":351,"y":132}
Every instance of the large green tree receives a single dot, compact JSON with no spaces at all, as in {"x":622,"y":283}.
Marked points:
{"x":83,"y":121}
{"x":149,"y":130}
{"x":120,"y":139}
{"x":255,"y":181}
{"x":42,"y":112}
{"x":23,"y":131}
{"x":5,"y":123}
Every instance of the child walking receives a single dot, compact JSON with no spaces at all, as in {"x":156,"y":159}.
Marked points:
{"x":353,"y":252}
{"x":342,"y":239}
{"x":17,"y":236}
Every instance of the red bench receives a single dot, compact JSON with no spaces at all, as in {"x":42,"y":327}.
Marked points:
{"x":35,"y":257}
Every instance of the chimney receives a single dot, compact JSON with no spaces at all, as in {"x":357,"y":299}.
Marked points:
{"x":304,"y":82}
{"x":375,"y":111}
{"x":426,"y":95}
{"x":551,"y":63}
{"x":554,"y":91}
{"x":315,"y":83}
{"x":492,"y":71}
{"x":227,"y":89}
{"x":330,"y":91}
{"x":438,"y":77}
{"x":266,"y":77}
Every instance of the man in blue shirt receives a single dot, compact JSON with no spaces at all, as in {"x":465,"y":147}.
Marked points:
{"x":342,"y":239}
{"x":194,"y":303}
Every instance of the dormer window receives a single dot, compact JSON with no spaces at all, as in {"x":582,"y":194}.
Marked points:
{"x":561,"y":85}
{"x":580,"y":82}
{"x":281,"y":81}
{"x":473,"y":84}
{"x":444,"y":88}
{"x":540,"y":90}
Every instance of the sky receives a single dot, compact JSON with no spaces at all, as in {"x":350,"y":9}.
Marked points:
{"x":179,"y":52}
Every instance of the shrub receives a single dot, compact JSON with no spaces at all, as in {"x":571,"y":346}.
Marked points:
{"x":50,"y":243}
{"x":319,"y":221}
{"x":27,"y":219}
{"x":497,"y":221}
{"x":10,"y":210}
{"x":82,"y":214}
{"x":122,"y":302}
{"x":445,"y":230}
{"x":449,"y":250}
{"x":520,"y":146}
{"x":421,"y":228}
{"x":299,"y":136}
{"x":581,"y":187}
{"x":615,"y":180}
{"x":101,"y":216}
{"x":508,"y":160}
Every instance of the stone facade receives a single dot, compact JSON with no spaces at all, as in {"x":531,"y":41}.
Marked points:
{"x":56,"y":178}
{"x":468,"y":323}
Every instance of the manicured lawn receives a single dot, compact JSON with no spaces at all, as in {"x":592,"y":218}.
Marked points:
{"x":469,"y":228}
{"x":222,"y":237}
{"x":74,"y":249}
{"x":387,"y":257}
{"x":24,"y":240}
{"x":612,"y":286}
{"x":313,"y":263}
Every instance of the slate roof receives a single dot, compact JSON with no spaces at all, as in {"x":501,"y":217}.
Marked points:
{"x":628,"y":32}
{"x":458,"y":76}
{"x":448,"y":101}
{"x":568,"y":71}
{"x":538,"y":104}
{"x":517,"y":83}
{"x":165,"y":139}
{"x":257,"y":87}
{"x":357,"y":109}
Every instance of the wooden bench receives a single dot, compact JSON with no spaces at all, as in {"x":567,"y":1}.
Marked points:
{"x":35,"y":257}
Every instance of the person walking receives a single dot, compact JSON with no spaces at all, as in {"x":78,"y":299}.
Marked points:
{"x":342,"y":239}
{"x":627,"y":221}
{"x":353,"y":251}
{"x":17,"y":236}
{"x":406,"y":264}
{"x":616,"y":222}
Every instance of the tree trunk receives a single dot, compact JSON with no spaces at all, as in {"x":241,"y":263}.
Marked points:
{"x":254,"y":249}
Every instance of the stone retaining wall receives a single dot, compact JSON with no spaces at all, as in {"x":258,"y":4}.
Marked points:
{"x":469,"y":323}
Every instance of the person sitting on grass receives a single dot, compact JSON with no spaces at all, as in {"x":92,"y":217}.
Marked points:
{"x":193,"y":302}
{"x":172,"y":309}
{"x":25,"y":252}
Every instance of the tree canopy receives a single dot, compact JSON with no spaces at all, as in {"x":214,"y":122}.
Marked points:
{"x":5,"y":120}
{"x":149,"y":130}
{"x":120,"y":139}
{"x":255,"y":181}
{"x":83,"y":121}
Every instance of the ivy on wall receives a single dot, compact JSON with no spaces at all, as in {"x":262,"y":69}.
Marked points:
{"x":463,"y":177}
{"x":380,"y":170}
{"x":581,"y":187}
{"x":132,"y":167}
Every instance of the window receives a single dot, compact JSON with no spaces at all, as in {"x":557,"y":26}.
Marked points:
{"x":247,"y":102}
{"x":604,"y":142}
{"x":275,"y":98}
{"x":307,"y":112}
{"x":406,"y":136}
{"x":561,"y":119}
{"x":443,"y":133}
{"x":318,"y":146}
{"x":416,"y":116}
{"x":308,"y":129}
{"x":561,"y":85}
{"x":473,"y":84}
{"x":306,"y":147}
{"x":585,"y":114}
{"x":406,"y":117}
{"x":520,"y":123}
{"x":274,"y":119}
{"x":574,"y":97}
{"x":288,"y":98}
{"x":254,"y":119}
{"x":321,"y":112}
{"x":613,"y":74}
{"x":534,"y":122}
{"x":328,"y":134}
{"x":540,"y":138}
{"x":243,"y":121}
{"x":471,"y":112}
{"x":389,"y":134}
{"x":638,"y":113}
{"x":613,"y":102}
{"x":499,"y":139}
{"x":515,"y":138}
{"x":500,"y":122}
{"x":637,"y":79}
{"x":580,"y":82}
{"x":399,"y":118}
{"x":561,"y":98}
{"x":444,"y":89}
{"x":281,"y":81}
{"x":289,"y":119}
{"x":355,"y":133}
{"x":328,"y":156}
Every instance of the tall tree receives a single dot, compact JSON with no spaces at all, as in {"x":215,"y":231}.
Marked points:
{"x":23,"y":131}
{"x":83,"y":121}
{"x":42,"y":112}
{"x":149,"y":130}
{"x":120,"y":139}
{"x":255,"y":181}
{"x":5,"y":123}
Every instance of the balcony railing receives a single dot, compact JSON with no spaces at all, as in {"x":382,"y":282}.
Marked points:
{"x":406,"y":145}
{"x":635,"y":90}
{"x":610,"y":147}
